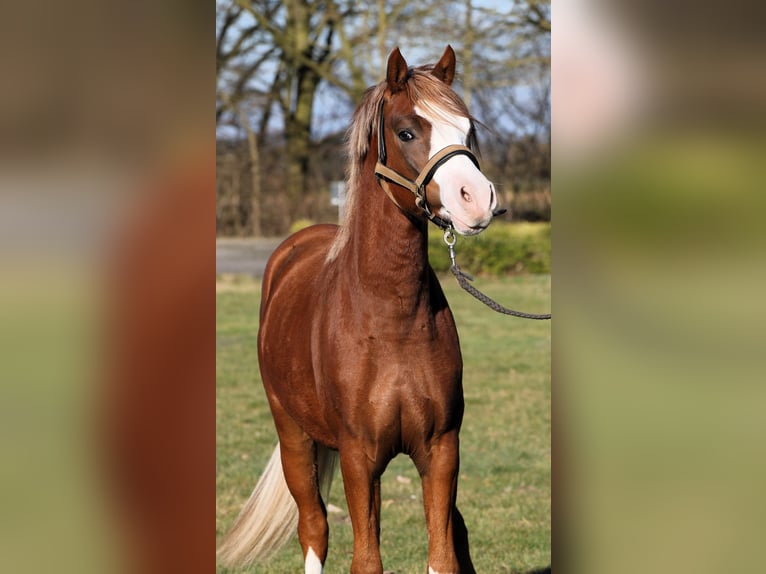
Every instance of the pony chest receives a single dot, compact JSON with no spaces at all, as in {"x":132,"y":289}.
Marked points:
{"x":390,"y":379}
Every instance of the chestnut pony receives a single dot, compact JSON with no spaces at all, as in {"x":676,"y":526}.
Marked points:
{"x":358,"y":349}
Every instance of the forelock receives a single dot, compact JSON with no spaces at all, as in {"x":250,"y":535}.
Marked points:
{"x":430,"y":93}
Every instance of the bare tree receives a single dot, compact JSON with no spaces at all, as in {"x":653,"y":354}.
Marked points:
{"x":240,"y":55}
{"x":242,"y":51}
{"x":275,"y":58}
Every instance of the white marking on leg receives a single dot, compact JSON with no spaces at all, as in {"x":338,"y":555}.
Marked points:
{"x":431,"y":570}
{"x":313,"y":564}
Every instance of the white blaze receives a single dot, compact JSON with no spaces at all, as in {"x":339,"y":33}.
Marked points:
{"x":458,"y":173}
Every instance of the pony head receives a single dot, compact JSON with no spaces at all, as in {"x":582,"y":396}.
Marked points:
{"x":425,"y":133}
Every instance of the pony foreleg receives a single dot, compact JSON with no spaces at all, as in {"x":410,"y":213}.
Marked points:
{"x":461,"y":543}
{"x":361,"y":480}
{"x":439,"y":471}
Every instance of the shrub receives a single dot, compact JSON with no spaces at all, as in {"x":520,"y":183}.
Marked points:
{"x":299,"y":224}
{"x":503,"y":249}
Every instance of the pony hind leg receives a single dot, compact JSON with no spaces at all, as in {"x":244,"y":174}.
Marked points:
{"x":265,"y":523}
{"x":270,"y":516}
{"x":448,"y":551}
{"x":308,"y":468}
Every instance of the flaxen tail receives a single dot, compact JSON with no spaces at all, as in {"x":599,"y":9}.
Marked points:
{"x":270,"y":516}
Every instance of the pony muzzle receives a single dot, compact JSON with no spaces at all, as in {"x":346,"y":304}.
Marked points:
{"x":418,"y":186}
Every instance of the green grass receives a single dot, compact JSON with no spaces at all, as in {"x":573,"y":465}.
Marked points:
{"x":504,"y":488}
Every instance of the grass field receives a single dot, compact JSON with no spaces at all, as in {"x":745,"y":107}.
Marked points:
{"x":504,"y":488}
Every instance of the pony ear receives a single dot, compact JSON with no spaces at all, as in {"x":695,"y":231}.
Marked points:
{"x":396,"y":71}
{"x":445,"y":67}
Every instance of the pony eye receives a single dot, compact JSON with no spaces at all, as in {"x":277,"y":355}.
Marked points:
{"x":405,"y":135}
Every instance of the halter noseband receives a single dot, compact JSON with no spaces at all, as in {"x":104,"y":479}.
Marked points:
{"x":418,"y":186}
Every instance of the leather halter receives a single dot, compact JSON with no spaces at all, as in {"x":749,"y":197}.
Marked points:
{"x":418,"y":186}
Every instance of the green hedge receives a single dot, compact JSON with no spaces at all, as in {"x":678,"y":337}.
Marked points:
{"x":503,"y":249}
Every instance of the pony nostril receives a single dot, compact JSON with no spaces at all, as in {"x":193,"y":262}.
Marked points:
{"x":466,"y":195}
{"x":491,"y":196}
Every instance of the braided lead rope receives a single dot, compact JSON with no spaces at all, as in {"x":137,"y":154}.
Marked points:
{"x":463,"y":280}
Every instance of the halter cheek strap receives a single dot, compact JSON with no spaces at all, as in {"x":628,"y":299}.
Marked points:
{"x":418,"y":186}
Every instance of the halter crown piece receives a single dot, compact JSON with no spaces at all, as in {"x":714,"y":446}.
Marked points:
{"x":418,"y":186}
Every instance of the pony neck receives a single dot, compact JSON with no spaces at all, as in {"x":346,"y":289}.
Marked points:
{"x":387,"y":248}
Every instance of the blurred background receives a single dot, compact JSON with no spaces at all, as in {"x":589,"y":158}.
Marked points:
{"x":289,"y":75}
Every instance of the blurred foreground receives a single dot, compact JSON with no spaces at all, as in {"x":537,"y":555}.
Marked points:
{"x":107,"y":298}
{"x":658,"y":269}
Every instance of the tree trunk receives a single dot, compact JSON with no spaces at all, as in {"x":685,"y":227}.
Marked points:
{"x":299,"y":104}
{"x":382,"y":36}
{"x":254,"y":227}
{"x":298,"y":134}
{"x":468,"y":41}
